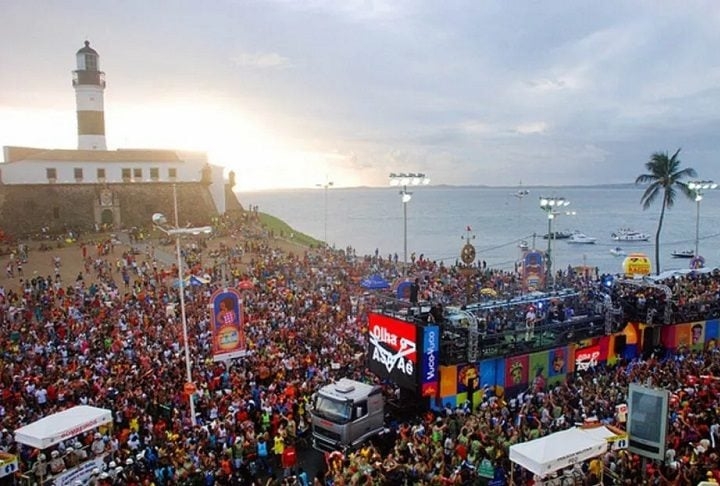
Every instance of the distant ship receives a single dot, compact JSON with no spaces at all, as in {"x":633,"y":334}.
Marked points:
{"x":521,"y":193}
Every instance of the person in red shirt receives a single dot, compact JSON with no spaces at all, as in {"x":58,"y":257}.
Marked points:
{"x":288,"y":459}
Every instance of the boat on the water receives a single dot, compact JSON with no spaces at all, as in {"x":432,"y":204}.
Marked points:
{"x":626,"y":234}
{"x":683,"y":253}
{"x":521,"y":193}
{"x":523,"y":245}
{"x":617,"y":251}
{"x":578,"y":238}
{"x":558,"y":235}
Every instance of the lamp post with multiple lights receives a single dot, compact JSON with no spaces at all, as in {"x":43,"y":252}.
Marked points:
{"x":404,"y":180}
{"x":160,"y":222}
{"x":326,"y":186}
{"x":551,"y":206}
{"x":699,"y":187}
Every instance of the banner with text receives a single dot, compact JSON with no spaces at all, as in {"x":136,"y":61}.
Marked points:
{"x":392,"y":350}
{"x":430,"y":372}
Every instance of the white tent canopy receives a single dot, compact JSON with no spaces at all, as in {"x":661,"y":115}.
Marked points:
{"x":63,"y":425}
{"x":600,"y":432}
{"x":556,"y":451}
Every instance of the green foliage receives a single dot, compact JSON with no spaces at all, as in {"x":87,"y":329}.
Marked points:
{"x":664,"y":179}
{"x":283,"y":230}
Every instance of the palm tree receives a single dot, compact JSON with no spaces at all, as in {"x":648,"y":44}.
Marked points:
{"x":664,"y":178}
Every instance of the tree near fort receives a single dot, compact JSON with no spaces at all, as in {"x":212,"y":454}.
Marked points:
{"x":664,"y":179}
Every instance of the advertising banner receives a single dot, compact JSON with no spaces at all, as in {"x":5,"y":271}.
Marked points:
{"x":430,"y":372}
{"x":586,"y":358}
{"x":227,"y":325}
{"x":392,"y":350}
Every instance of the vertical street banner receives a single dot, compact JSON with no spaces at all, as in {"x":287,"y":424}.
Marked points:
{"x":228,"y":336}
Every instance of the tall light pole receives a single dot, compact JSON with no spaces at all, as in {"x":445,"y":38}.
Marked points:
{"x":404,"y":180}
{"x":327,"y":185}
{"x":551,"y":205}
{"x":698,"y":187}
{"x":160,"y":222}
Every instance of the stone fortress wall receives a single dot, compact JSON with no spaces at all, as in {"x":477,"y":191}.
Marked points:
{"x":26,"y":209}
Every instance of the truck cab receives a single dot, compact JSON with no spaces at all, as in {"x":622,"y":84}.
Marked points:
{"x":345,"y":414}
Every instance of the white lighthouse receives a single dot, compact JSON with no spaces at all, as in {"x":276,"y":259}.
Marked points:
{"x":89,"y":84}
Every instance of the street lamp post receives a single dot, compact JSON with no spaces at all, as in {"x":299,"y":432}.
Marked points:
{"x":551,"y":205}
{"x":698,"y":187}
{"x":327,"y":185}
{"x":405,"y":180}
{"x":160,"y":222}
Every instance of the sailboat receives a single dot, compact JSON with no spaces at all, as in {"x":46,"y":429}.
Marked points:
{"x":521,"y":193}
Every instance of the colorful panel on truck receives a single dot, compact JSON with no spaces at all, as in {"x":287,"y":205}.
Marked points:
{"x":697,"y":335}
{"x":448,"y":381}
{"x":711,"y":334}
{"x":499,"y":376}
{"x":468,"y":378}
{"x":393,"y":350}
{"x":557,"y":365}
{"x":538,"y":371}
{"x":682,"y":335}
{"x":516,"y":373}
{"x":488,"y":373}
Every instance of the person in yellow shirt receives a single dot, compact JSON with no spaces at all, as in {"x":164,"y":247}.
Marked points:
{"x":596,"y":467}
{"x":279,"y":447}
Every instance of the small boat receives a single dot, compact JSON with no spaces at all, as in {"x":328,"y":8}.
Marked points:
{"x":523,"y":245}
{"x":558,"y":235}
{"x":626,"y":234}
{"x":578,"y":238}
{"x":521,"y":193}
{"x":683,"y":253}
{"x":617,"y":251}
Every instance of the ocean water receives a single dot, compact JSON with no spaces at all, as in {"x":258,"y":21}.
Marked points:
{"x":437,"y":217}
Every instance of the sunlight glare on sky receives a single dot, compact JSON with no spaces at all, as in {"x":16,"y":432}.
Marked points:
{"x":288,"y":93}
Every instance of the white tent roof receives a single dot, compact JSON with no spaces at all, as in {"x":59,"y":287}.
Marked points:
{"x":556,"y":451}
{"x":63,"y":425}
{"x":600,"y":432}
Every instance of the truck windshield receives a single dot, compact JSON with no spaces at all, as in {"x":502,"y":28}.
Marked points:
{"x":339,"y":411}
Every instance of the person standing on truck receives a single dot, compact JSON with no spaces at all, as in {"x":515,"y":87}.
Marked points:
{"x":414,"y":290}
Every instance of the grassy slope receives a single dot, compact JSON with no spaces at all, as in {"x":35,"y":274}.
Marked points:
{"x":283,"y":230}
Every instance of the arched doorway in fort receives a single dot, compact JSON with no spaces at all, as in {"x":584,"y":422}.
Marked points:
{"x":106,"y":217}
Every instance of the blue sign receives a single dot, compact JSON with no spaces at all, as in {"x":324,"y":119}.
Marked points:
{"x":430,"y":367}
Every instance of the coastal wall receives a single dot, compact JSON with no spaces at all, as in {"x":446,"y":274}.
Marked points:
{"x":26,"y":209}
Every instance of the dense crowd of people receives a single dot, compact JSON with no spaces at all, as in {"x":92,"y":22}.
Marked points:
{"x":111,"y":337}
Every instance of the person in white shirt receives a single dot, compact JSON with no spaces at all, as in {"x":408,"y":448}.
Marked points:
{"x":530,"y":318}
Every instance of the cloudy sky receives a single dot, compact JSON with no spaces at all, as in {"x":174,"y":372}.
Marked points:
{"x":295,"y":93}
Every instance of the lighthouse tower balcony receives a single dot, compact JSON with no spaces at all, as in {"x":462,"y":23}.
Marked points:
{"x":92,"y":78}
